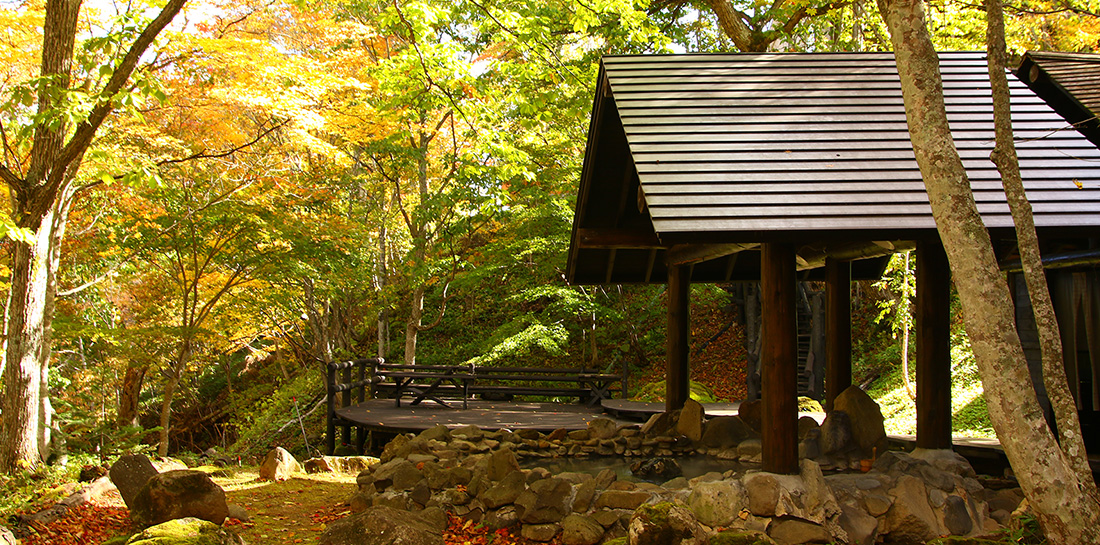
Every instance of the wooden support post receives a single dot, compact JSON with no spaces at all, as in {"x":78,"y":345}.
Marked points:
{"x":330,"y":424}
{"x":933,"y":329}
{"x":678,"y":339}
{"x":838,"y":324}
{"x":779,"y":358}
{"x":345,"y":401}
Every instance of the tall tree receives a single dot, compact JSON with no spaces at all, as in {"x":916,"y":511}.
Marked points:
{"x":1050,"y":341}
{"x":1067,"y":507}
{"x":43,"y":186}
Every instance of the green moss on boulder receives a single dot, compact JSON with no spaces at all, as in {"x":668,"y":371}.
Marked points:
{"x":185,"y":531}
{"x":740,"y":537}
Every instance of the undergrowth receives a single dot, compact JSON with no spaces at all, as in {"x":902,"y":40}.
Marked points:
{"x":970,"y":418}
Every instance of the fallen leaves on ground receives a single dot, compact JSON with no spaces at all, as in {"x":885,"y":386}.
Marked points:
{"x":82,"y":525}
{"x":466,"y":532}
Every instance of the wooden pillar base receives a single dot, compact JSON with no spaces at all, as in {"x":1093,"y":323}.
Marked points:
{"x":779,"y":358}
{"x":933,"y":329}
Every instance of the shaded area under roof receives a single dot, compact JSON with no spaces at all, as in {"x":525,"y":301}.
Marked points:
{"x":696,"y":159}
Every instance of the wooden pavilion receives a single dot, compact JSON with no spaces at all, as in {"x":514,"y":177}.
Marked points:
{"x":781,"y":167}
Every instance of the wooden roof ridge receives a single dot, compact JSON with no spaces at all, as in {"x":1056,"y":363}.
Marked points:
{"x":698,"y":158}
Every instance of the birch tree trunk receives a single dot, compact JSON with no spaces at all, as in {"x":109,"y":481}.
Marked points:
{"x":1067,"y":509}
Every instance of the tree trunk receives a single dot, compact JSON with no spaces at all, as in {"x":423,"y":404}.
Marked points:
{"x":27,"y":349}
{"x":1067,"y":509}
{"x":412,"y":325}
{"x":1046,"y":323}
{"x":130,"y":396}
{"x":174,"y":375}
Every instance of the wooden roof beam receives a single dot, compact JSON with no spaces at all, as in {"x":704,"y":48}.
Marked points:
{"x":614,"y":238}
{"x":814,"y":257}
{"x":684,"y":254}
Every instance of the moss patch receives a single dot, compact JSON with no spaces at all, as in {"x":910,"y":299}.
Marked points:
{"x":188,"y":531}
{"x":739,"y":537}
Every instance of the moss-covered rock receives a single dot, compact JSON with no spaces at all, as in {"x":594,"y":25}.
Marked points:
{"x":186,"y":531}
{"x":665,"y":523}
{"x":617,"y":541}
{"x":740,"y":537}
{"x":962,"y":540}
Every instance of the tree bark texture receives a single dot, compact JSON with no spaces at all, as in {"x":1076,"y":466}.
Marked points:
{"x":41,"y":198}
{"x":130,"y":396}
{"x":175,"y":372}
{"x":1004,"y":156}
{"x":1068,"y":510}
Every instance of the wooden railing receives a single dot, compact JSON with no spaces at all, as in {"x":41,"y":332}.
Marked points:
{"x":339,"y":381}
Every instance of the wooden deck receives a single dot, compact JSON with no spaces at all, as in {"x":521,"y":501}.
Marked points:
{"x":381,"y":415}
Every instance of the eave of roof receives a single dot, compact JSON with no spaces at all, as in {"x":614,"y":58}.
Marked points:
{"x":1069,"y":83}
{"x":719,"y":152}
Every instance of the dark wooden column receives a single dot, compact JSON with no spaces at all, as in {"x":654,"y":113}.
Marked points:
{"x":838,"y":325}
{"x":779,"y":358}
{"x":933,"y":329}
{"x":678,"y":339}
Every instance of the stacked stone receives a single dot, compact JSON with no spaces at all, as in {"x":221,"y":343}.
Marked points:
{"x":476,"y":475}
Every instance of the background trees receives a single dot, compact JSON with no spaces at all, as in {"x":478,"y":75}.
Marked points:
{"x":281,"y":184}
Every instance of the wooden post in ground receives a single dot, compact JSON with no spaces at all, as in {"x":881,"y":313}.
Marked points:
{"x":779,"y":358}
{"x":933,"y":329}
{"x":838,"y":324}
{"x":678,"y":338}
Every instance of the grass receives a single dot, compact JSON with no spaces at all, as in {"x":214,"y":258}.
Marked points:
{"x":969,"y":415}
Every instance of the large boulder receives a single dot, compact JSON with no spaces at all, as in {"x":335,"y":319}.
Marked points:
{"x":179,"y":494}
{"x":805,"y":496}
{"x":580,"y":530}
{"x":690,"y":423}
{"x":381,"y":525}
{"x":602,"y":428}
{"x":546,"y":501}
{"x":504,"y":492}
{"x":717,"y":503}
{"x":793,"y":531}
{"x":726,"y":431}
{"x":279,"y":465}
{"x":129,"y":474}
{"x":185,"y":531}
{"x":836,"y":432}
{"x":665,"y":524}
{"x":910,"y":519}
{"x":866,"y":418}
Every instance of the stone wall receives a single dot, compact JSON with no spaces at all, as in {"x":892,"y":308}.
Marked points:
{"x":476,"y":474}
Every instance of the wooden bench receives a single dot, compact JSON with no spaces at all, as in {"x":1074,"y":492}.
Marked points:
{"x":432,"y":382}
{"x":462,"y":382}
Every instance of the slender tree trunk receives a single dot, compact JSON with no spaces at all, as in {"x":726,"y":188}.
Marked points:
{"x":130,"y":396}
{"x":1050,"y":343}
{"x":170,"y":387}
{"x":413,"y":324}
{"x":1067,"y":509}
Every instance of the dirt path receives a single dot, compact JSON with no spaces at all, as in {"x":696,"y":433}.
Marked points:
{"x":293,"y":511}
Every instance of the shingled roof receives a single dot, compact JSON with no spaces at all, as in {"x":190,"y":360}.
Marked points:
{"x":697,"y":158}
{"x":1070,"y":83}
